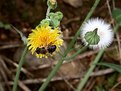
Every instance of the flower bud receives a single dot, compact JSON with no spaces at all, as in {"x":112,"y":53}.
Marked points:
{"x":45,"y":22}
{"x":52,"y":4}
{"x":55,"y":19}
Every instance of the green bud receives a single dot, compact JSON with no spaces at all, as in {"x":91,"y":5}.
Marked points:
{"x":51,"y":15}
{"x":55,"y":23}
{"x":45,"y":22}
{"x":92,"y":37}
{"x":52,"y":4}
{"x":55,"y":18}
{"x":59,"y":15}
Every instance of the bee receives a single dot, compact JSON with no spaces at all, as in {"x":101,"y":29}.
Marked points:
{"x":51,"y":48}
{"x":41,"y":50}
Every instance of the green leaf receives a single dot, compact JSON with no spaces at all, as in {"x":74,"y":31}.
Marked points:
{"x":1,"y":25}
{"x":23,"y":38}
{"x":111,"y":65}
{"x":112,"y":79}
{"x":7,"y":26}
{"x":116,"y":13}
{"x":99,"y":88}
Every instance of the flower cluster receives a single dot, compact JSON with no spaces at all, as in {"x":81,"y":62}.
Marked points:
{"x":44,"y":41}
{"x":96,"y":33}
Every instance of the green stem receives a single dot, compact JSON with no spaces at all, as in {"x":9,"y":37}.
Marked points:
{"x":87,"y":75}
{"x":51,"y":75}
{"x":48,"y":11}
{"x":78,"y":52}
{"x":19,"y":69}
{"x":116,"y":28}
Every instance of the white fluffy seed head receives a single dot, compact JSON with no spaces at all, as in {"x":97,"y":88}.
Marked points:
{"x":104,"y":32}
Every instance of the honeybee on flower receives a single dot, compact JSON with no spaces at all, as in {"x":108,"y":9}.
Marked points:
{"x":96,"y":33}
{"x":44,"y":41}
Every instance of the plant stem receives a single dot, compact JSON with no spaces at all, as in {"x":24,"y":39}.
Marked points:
{"x":19,"y":68}
{"x":51,"y":75}
{"x":116,"y":28}
{"x":87,"y":75}
{"x":48,"y":11}
{"x":78,"y":52}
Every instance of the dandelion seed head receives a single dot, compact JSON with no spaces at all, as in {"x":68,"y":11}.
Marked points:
{"x":104,"y":32}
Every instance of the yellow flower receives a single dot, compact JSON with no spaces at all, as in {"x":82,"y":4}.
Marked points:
{"x":44,"y":40}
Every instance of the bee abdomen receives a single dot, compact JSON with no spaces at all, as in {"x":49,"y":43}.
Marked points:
{"x":41,"y":50}
{"x":51,"y":48}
